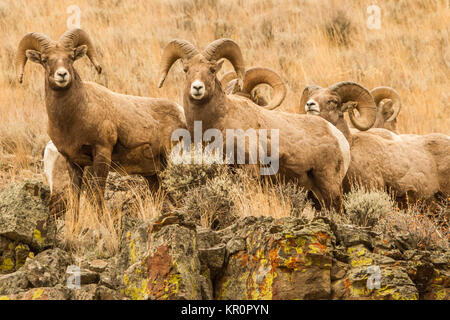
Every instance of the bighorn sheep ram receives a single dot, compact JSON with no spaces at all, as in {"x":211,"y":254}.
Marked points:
{"x":311,"y":150}
{"x":252,"y":78}
{"x":91,"y":125}
{"x":413,"y":166}
{"x":388,"y":104}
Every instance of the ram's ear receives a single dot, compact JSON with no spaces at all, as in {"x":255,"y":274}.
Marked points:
{"x":80,"y":51}
{"x":34,"y":56}
{"x":349,"y":104}
{"x":219,"y":65}
{"x":184,"y":64}
{"x":388,"y":108}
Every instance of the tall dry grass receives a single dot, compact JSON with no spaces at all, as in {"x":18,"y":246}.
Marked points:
{"x":96,"y":232}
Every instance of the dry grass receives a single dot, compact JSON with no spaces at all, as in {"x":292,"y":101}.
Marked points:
{"x":99,"y":235}
{"x":411,"y":52}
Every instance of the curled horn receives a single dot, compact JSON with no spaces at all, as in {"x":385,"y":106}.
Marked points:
{"x":227,"y":77}
{"x":381,"y":93}
{"x":258,"y":75}
{"x":228,"y":49}
{"x":76,"y":37}
{"x":350,"y":91}
{"x":175,"y":49}
{"x":31,"y":41}
{"x":230,"y":83}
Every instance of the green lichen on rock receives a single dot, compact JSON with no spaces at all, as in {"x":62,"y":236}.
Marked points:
{"x":278,"y":256}
{"x":6,"y":265}
{"x":170,"y":269}
{"x":22,"y":252}
{"x":24,"y":214}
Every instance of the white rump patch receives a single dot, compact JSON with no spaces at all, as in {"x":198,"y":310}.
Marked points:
{"x":181,"y":109}
{"x":394,"y":136}
{"x":50,"y":156}
{"x":343,"y":145}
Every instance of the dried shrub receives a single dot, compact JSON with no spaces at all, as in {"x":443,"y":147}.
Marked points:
{"x":212,"y":204}
{"x":296,"y":196}
{"x":414,"y":229}
{"x":365,"y":208}
{"x":181,"y":175}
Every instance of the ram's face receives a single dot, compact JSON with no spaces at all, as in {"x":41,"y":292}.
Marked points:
{"x":200,"y":78}
{"x":325,"y":103}
{"x":58,"y":64}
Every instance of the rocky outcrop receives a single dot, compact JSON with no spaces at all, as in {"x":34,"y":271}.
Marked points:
{"x":269,"y":259}
{"x":170,"y":269}
{"x":24,"y":215}
{"x":171,"y":257}
{"x":289,"y":258}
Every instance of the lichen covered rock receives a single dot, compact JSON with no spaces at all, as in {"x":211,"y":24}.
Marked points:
{"x":278,"y":259}
{"x":171,"y":267}
{"x":48,"y":268}
{"x":13,"y":255}
{"x":44,"y":293}
{"x":13,"y":282}
{"x":24,"y":214}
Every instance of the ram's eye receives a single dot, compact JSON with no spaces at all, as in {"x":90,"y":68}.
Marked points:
{"x":212,"y":69}
{"x":186,"y":69}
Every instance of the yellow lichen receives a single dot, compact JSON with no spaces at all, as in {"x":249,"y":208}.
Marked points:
{"x":441,"y":294}
{"x":7,"y":265}
{"x":264,"y":291}
{"x":136,"y":292}
{"x":359,"y":292}
{"x":37,"y":294}
{"x":37,"y":236}
{"x":171,"y":286}
{"x":387,"y":291}
{"x":132,"y":247}
{"x":361,"y":252}
{"x":361,"y":262}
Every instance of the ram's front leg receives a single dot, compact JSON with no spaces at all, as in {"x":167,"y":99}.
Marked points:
{"x":100,"y":170}
{"x":76,"y":179}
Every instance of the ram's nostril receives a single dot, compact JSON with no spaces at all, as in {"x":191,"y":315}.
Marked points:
{"x":198,"y":87}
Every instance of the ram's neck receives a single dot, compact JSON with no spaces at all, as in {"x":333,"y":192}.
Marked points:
{"x":209,"y":112}
{"x":63,"y":106}
{"x":343,"y":127}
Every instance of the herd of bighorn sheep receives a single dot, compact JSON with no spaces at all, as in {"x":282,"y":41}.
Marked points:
{"x":91,"y":126}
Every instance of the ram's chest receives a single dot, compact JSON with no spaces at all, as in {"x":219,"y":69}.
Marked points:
{"x":77,"y":149}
